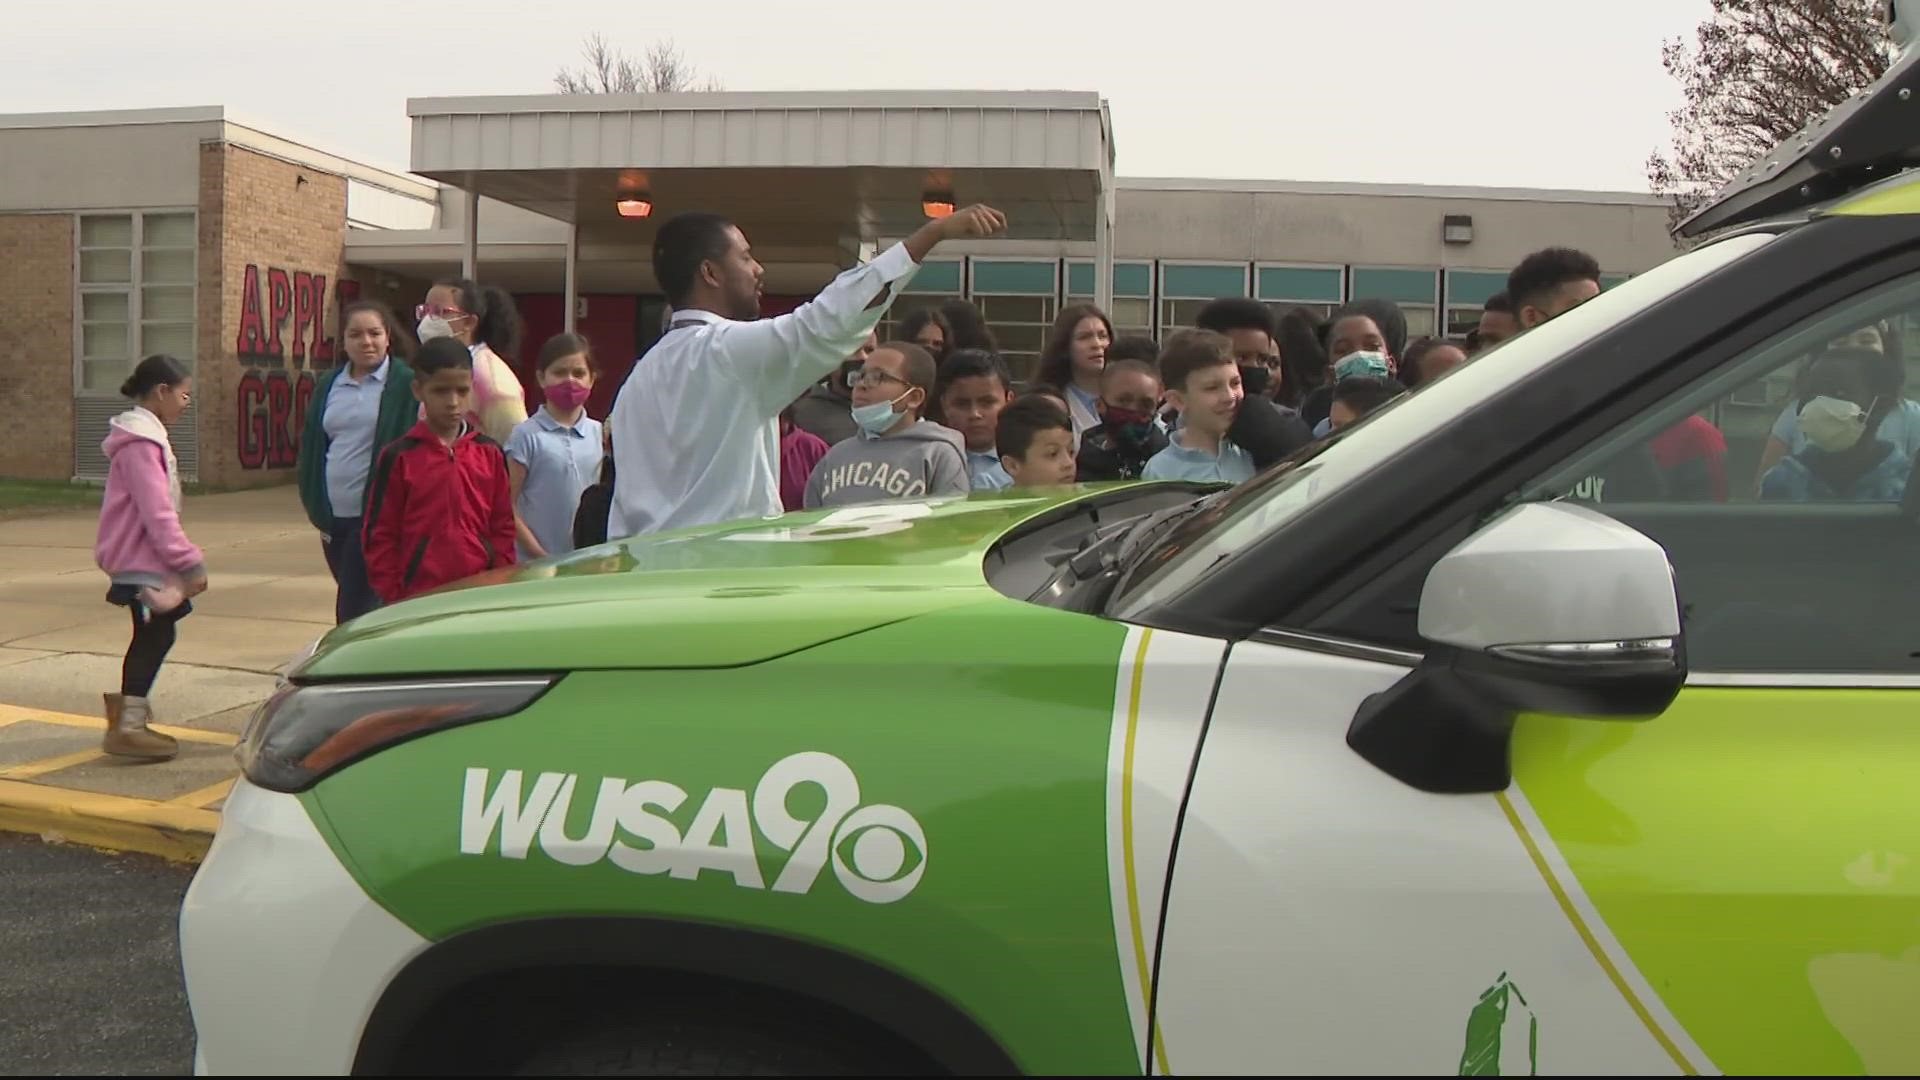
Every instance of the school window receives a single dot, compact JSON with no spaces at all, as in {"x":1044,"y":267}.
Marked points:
{"x":1018,"y":300}
{"x":938,"y":281}
{"x":136,"y":283}
{"x":1317,"y":289}
{"x":1186,"y":288}
{"x":1416,"y":291}
{"x":1132,"y":311}
{"x":1467,"y":294}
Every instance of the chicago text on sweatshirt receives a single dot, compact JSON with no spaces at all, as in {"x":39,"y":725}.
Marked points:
{"x":925,"y":459}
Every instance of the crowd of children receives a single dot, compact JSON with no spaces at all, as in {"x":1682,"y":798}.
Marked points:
{"x":420,"y":466}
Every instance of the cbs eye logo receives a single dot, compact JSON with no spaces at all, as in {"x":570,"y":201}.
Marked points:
{"x":879,"y":853}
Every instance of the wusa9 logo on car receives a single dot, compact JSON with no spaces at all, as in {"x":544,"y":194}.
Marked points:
{"x":878,"y":852}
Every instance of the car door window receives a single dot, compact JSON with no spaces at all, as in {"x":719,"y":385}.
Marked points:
{"x":1782,"y":488}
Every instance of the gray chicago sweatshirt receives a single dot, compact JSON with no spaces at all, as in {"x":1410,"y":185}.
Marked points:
{"x":925,"y":459}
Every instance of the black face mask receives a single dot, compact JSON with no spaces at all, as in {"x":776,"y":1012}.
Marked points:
{"x":1255,"y":378}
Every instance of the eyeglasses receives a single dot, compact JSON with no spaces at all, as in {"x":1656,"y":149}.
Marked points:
{"x":873,"y":377}
{"x":421,"y":311}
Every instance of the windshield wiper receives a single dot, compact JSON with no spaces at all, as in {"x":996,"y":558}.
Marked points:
{"x":1143,"y":537}
{"x":1094,"y":551}
{"x":1104,"y":548}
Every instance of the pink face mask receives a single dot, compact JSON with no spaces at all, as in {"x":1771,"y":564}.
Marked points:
{"x":567,"y":396}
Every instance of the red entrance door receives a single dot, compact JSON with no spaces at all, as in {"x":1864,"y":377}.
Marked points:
{"x":610,"y":323}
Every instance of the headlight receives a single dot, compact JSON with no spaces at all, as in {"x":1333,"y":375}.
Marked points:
{"x":302,"y":733}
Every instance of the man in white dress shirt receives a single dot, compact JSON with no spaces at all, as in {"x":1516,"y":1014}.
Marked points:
{"x":695,"y":436}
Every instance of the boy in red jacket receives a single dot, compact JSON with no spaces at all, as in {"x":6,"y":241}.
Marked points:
{"x":439,"y":507}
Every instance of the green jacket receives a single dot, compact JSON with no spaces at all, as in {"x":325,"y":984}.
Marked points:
{"x":398,"y":411}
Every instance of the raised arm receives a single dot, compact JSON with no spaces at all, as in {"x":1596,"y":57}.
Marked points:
{"x":777,"y":359}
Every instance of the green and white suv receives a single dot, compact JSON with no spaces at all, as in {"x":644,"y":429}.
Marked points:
{"x":1396,"y":759}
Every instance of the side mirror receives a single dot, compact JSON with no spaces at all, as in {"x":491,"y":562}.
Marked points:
{"x":1549,"y":608}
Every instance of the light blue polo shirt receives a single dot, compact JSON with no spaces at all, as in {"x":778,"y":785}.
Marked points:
{"x":350,"y":419}
{"x":1232,"y":465}
{"x":985,"y":472}
{"x":561,"y":463}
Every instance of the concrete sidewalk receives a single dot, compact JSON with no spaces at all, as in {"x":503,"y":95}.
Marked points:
{"x":269,"y":596}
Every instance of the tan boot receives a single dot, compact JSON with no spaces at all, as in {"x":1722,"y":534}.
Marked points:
{"x":127,"y":733}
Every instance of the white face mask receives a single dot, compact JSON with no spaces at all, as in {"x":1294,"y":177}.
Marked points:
{"x":434,"y":326}
{"x":1833,"y":424}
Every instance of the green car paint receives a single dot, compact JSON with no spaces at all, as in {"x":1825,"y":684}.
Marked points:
{"x":1487,"y":1027}
{"x":984,"y":727}
{"x":1751,"y":850}
{"x":718,"y":597}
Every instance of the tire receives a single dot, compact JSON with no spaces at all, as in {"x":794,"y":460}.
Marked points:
{"x":671,"y":1045}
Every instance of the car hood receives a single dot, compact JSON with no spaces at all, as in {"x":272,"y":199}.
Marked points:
{"x":720,"y":596}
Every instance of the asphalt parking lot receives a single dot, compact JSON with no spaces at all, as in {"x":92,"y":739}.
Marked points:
{"x":91,"y":983}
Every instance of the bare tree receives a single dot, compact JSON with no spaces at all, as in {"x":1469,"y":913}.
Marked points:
{"x":609,"y":70}
{"x":1757,"y":72}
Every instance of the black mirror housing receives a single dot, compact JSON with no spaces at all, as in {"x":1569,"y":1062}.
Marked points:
{"x":1447,"y":727}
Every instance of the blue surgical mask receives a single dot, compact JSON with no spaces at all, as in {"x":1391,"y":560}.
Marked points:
{"x":876,"y":418}
{"x":1369,"y":365}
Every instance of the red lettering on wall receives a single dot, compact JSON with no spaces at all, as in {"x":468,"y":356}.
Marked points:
{"x":322,"y":343}
{"x":280,"y":444}
{"x":252,"y":427}
{"x":251,"y":341}
{"x":302,"y":315}
{"x":272,"y":408}
{"x":299,"y":296}
{"x":274,"y":394}
{"x":279,"y":306}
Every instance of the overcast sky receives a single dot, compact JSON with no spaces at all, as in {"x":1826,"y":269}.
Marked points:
{"x":1531,"y":93}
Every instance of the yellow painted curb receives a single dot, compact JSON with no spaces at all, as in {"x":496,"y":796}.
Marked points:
{"x":13,"y":714}
{"x":179,"y":829}
{"x":178,"y":833}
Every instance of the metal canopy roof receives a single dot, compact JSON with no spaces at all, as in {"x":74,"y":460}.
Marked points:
{"x":812,"y":169}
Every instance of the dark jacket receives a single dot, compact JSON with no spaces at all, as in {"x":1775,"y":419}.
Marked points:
{"x":1104,"y":455}
{"x":820,"y":413}
{"x":596,"y":505}
{"x":1267,"y":431}
{"x":1317,"y":405}
{"x":436,"y":513}
{"x":398,"y":412}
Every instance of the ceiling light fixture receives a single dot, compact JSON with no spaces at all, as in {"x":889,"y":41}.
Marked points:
{"x":937,"y":204}
{"x":633,"y":206}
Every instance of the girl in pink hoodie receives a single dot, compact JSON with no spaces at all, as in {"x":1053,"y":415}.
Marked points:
{"x":152,"y":565}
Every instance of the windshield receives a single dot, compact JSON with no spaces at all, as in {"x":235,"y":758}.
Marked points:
{"x":1281,"y":494}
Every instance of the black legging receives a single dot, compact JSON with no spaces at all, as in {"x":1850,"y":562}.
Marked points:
{"x":152,"y":639}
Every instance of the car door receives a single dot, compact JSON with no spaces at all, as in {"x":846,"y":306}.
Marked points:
{"x":1729,"y":886}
